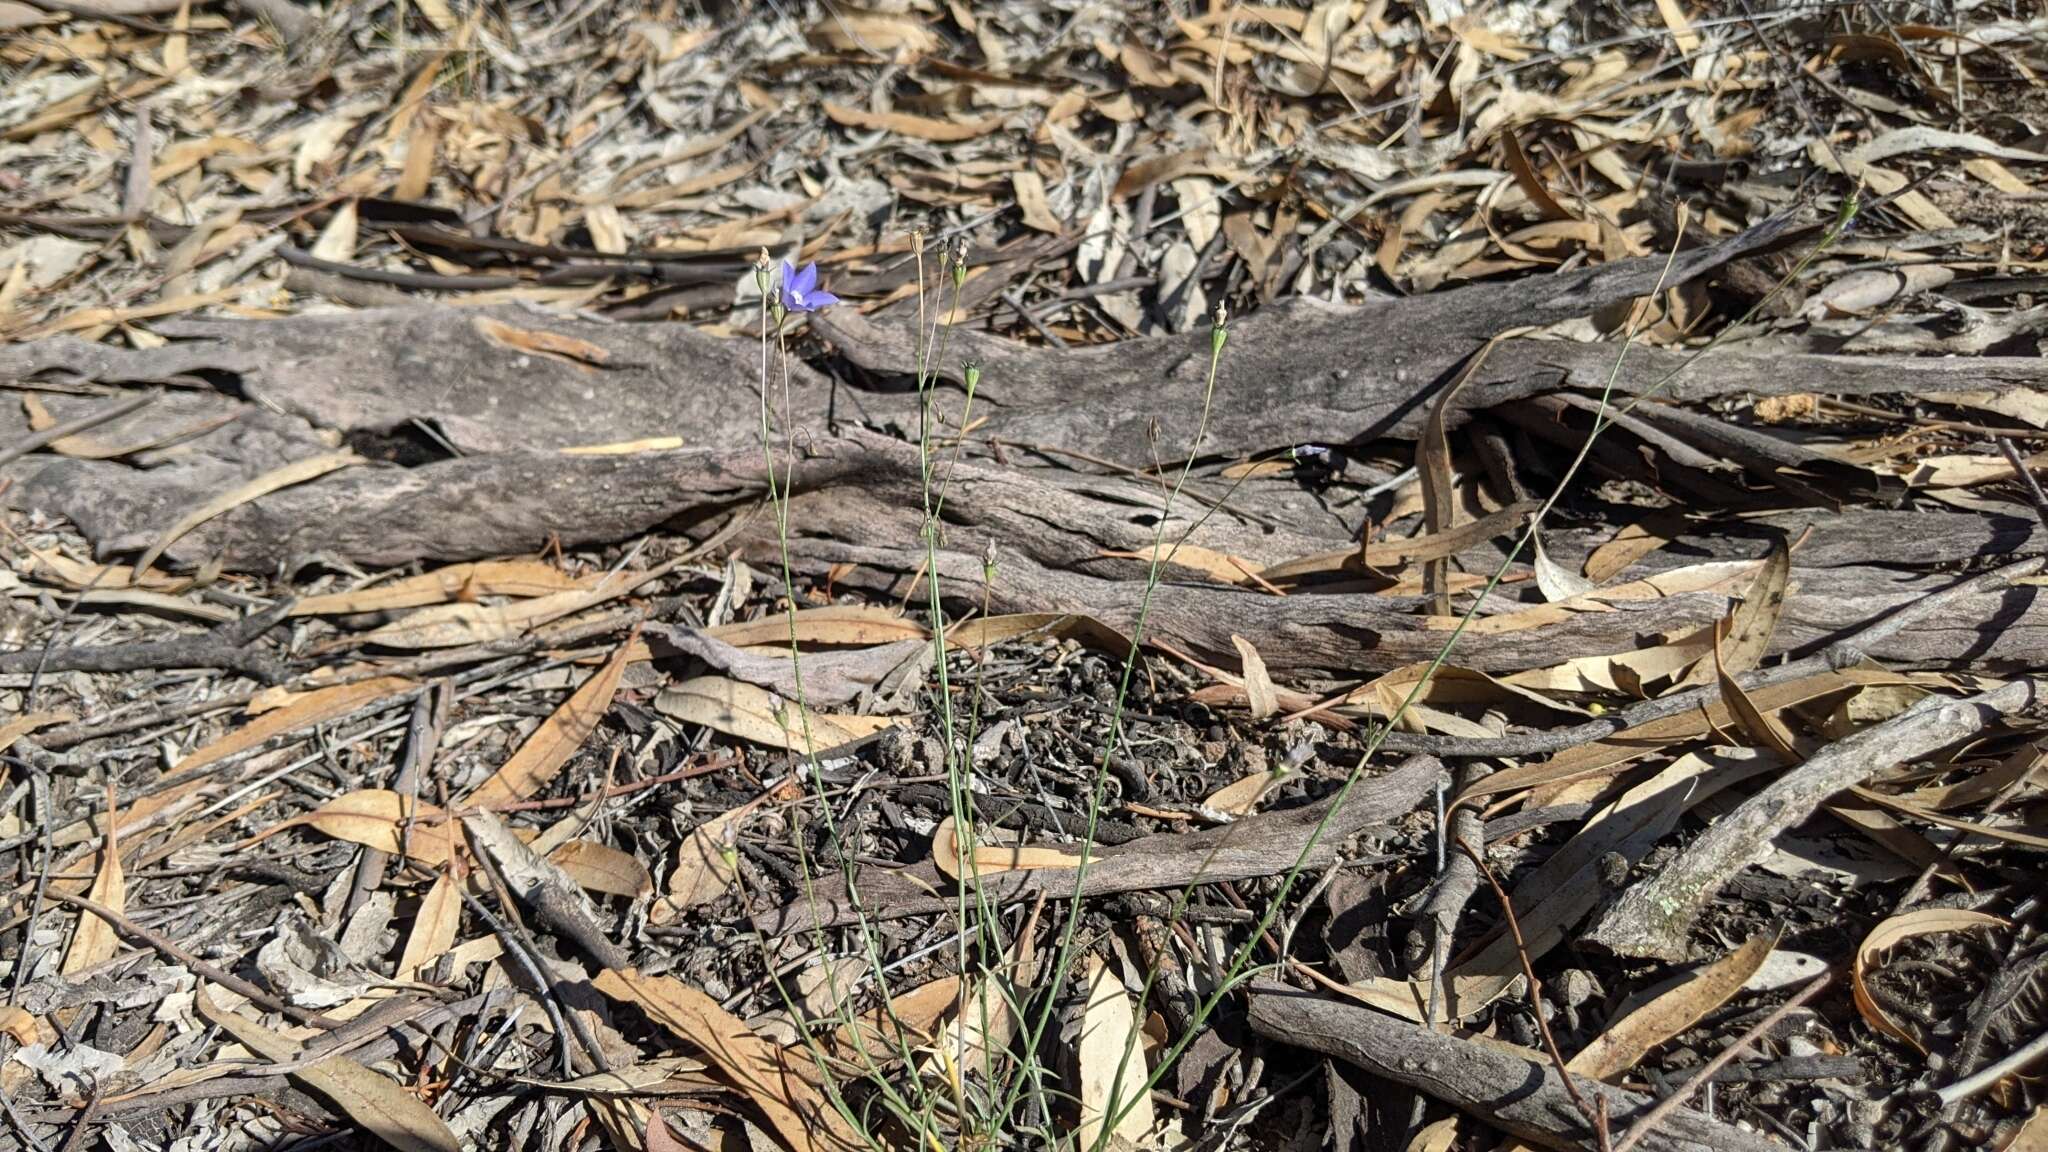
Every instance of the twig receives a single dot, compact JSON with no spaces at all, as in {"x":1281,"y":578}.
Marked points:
{"x":198,"y":967}
{"x":543,"y":989}
{"x":224,"y":647}
{"x":1663,"y":1108}
{"x":1596,"y":1118}
{"x":2019,"y":465}
{"x":1518,"y":1094}
{"x":423,"y":738}
{"x":73,"y":427}
{"x":1991,"y":1074}
{"x":1455,"y":882}
{"x":45,"y":854}
{"x":1652,"y":918}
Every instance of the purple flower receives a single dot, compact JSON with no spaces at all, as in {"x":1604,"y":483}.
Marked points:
{"x":799,"y":290}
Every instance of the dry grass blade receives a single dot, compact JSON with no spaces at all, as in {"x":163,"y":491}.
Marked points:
{"x":1631,"y":744}
{"x":456,"y":581}
{"x":1439,"y":494}
{"x":434,"y":929}
{"x":315,"y":707}
{"x":385,"y":820}
{"x":95,"y":941}
{"x":756,"y":714}
{"x":602,"y":868}
{"x":1258,"y":686}
{"x":706,"y":866}
{"x":1112,"y":1060}
{"x":1631,"y":1038}
{"x":839,"y":624}
{"x":971,"y":862}
{"x":1752,"y":623}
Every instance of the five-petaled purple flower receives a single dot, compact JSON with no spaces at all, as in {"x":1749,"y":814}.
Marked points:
{"x":799,"y":290}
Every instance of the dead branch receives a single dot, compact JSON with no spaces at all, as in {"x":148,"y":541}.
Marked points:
{"x":1653,"y":917}
{"x":1871,"y":637}
{"x":1493,"y":1083}
{"x":1263,"y":845}
{"x":225,"y":647}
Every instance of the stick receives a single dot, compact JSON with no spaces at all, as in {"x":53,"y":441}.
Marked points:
{"x":1517,"y":1094}
{"x":1991,"y":1074}
{"x":224,"y":647}
{"x":1838,"y":655}
{"x":84,"y":423}
{"x":1652,"y":918}
{"x":1595,"y":1118}
{"x":198,"y":967}
{"x":2019,"y":465}
{"x":1665,"y":1107}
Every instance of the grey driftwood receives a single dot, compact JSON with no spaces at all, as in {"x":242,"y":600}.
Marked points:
{"x":855,"y":501}
{"x":1267,"y":844}
{"x":1495,"y":1085}
{"x":1652,"y":918}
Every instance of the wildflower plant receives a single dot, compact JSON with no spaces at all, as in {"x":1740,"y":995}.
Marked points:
{"x":956,"y":1113}
{"x":798,"y":291}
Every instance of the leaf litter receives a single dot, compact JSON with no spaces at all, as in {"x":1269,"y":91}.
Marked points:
{"x":398,"y":655}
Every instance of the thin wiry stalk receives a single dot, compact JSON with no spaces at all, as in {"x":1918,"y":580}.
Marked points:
{"x":778,"y":494}
{"x":1099,"y":786}
{"x":980,"y":923}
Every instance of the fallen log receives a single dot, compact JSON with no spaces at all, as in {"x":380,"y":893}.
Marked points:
{"x":855,"y":503}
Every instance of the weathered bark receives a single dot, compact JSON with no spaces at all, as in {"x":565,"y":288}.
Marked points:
{"x":1654,"y":918}
{"x":1264,"y":845}
{"x":855,"y":502}
{"x":1516,"y":1094}
{"x":463,"y":371}
{"x":506,"y":386}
